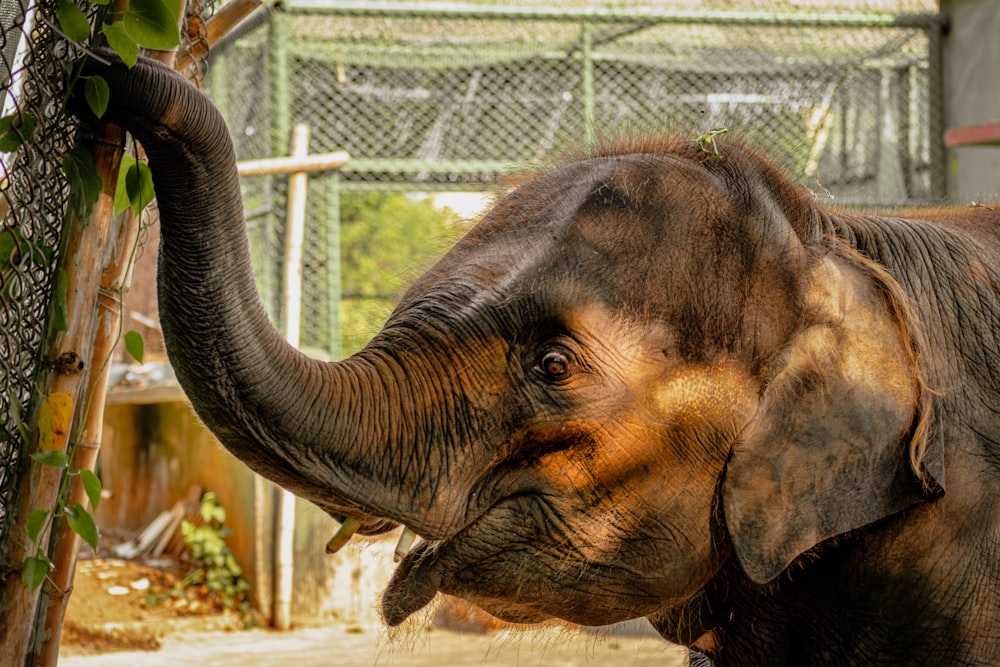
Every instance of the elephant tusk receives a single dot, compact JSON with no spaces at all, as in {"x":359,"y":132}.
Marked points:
{"x":343,"y":535}
{"x":403,"y":545}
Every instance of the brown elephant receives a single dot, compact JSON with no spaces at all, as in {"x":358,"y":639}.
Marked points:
{"x":650,"y":382}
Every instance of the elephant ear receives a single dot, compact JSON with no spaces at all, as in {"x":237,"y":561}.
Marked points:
{"x":842,"y":435}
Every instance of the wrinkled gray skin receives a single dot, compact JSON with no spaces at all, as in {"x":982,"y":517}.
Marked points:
{"x":648,"y":383}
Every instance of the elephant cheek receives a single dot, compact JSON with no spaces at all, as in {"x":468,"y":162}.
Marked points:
{"x":705,"y":406}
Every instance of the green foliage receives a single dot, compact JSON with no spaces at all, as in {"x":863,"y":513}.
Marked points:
{"x":82,"y":523}
{"x":143,"y":23}
{"x":216,"y":571}
{"x":708,"y":140}
{"x":134,"y":345}
{"x":387,"y":239}
{"x":34,"y":570}
{"x":85,"y":182}
{"x":97,"y":93}
{"x":15,"y":131}
{"x":135,"y":186}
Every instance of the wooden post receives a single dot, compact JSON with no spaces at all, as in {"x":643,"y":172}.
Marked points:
{"x":103,"y":303}
{"x":292,"y":316}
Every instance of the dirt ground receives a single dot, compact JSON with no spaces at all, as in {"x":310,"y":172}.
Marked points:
{"x":110,"y":623}
{"x":120,"y":605}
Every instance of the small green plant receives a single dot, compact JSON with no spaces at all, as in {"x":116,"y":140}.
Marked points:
{"x":216,"y":574}
{"x":707,"y":140}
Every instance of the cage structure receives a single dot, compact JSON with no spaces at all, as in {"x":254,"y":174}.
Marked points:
{"x":450,"y":96}
{"x":33,"y":200}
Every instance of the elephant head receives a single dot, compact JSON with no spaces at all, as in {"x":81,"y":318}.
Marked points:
{"x":637,"y":367}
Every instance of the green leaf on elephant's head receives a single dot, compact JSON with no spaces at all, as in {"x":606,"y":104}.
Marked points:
{"x":97,"y":93}
{"x":82,"y":523}
{"x":33,"y":571}
{"x":36,"y":521}
{"x":123,"y":43}
{"x":85,"y":183}
{"x":153,"y":23}
{"x":72,"y":20}
{"x":92,"y":486}
{"x":134,"y":345}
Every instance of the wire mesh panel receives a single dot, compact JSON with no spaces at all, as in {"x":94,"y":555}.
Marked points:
{"x":33,"y":195}
{"x":844,"y":94}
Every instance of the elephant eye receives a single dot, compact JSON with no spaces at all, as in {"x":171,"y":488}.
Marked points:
{"x":554,"y":366}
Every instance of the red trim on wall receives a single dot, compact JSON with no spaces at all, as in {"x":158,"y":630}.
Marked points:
{"x":976,"y":135}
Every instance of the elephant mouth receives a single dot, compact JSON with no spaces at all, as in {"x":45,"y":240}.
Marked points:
{"x":416,"y":581}
{"x":460,"y":564}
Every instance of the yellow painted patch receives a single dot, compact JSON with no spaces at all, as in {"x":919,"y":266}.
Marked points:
{"x":54,"y":417}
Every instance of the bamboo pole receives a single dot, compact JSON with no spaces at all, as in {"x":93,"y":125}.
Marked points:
{"x":59,"y":586}
{"x":216,"y":28}
{"x":106,"y":298}
{"x":292,"y":316}
{"x":86,"y":247}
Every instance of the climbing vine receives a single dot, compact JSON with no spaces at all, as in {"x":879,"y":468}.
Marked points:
{"x":125,"y":28}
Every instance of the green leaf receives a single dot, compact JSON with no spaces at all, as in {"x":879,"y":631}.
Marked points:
{"x":10,"y":240}
{"x":85,"y":182}
{"x":82,"y":523}
{"x":14,"y":413}
{"x":54,"y":459}
{"x":36,"y":521}
{"x":72,"y":20}
{"x":153,"y":23}
{"x":92,"y":486}
{"x":15,"y":129}
{"x":34,"y":570}
{"x":134,"y":187}
{"x":97,"y":93}
{"x":134,"y":345}
{"x":60,"y":316}
{"x":123,"y":44}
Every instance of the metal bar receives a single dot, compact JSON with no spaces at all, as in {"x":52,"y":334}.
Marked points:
{"x":281,"y":125}
{"x":405,"y":9}
{"x":415,"y":166}
{"x":334,"y":284}
{"x":587,"y":81}
{"x":935,"y":113}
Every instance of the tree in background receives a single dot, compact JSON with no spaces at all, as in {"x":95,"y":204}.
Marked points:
{"x":387,"y":241}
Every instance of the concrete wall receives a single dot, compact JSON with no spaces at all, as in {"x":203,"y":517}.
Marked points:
{"x":972,"y":94}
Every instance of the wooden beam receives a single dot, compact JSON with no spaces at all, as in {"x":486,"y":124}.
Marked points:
{"x":294,"y":164}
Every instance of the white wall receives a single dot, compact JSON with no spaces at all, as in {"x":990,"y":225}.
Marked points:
{"x":972,"y":95}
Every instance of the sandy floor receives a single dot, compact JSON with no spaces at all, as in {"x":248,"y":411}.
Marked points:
{"x":338,"y":645}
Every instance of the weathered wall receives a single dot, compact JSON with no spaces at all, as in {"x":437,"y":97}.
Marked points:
{"x":972,"y":94}
{"x":151,"y":456}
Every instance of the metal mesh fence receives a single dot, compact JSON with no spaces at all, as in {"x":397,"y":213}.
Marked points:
{"x":428,"y":98}
{"x":33,"y":195}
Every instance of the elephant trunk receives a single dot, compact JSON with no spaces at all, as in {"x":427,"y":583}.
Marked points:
{"x":310,"y":426}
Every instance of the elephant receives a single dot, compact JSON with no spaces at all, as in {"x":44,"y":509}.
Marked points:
{"x":652,"y":381}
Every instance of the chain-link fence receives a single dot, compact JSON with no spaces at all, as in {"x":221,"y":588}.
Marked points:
{"x":33,"y":192}
{"x":451,"y":97}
